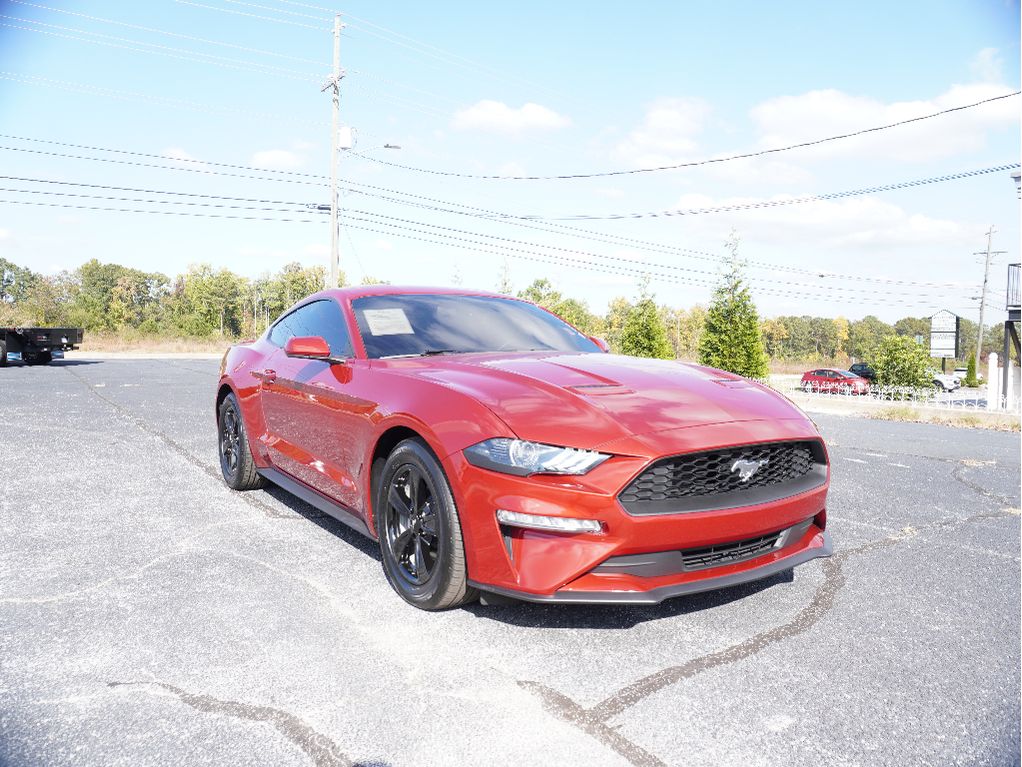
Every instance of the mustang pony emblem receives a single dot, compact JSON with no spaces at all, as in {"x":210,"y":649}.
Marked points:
{"x":746,"y":468}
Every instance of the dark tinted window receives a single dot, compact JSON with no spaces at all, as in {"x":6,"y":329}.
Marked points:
{"x":415,"y":324}
{"x":320,"y":318}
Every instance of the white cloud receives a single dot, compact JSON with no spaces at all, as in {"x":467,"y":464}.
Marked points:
{"x":850,"y":223}
{"x":790,"y":120}
{"x":987,"y":66}
{"x":317,"y":249}
{"x":281,"y":159}
{"x":667,"y":134}
{"x":382,"y":244}
{"x":497,"y":117}
{"x":5,"y":234}
{"x":183,"y":158}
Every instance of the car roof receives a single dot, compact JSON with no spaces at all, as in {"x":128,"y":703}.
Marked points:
{"x":361,"y":291}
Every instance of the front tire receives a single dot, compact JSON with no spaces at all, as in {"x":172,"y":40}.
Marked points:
{"x":3,"y":354}
{"x":236,"y":462}
{"x":421,"y":545}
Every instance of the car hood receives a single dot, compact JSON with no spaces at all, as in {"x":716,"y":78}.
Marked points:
{"x":584,"y":400}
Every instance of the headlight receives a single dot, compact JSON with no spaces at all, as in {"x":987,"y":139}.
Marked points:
{"x":516,"y":456}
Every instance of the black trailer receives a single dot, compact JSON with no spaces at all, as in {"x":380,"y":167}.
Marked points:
{"x":37,"y":346}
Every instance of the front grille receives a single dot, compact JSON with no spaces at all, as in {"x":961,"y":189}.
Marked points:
{"x":714,"y":479}
{"x":726,"y":553}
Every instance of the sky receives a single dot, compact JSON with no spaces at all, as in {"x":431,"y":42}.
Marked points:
{"x":203,"y":125}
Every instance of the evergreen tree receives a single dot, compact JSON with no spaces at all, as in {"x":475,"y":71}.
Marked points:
{"x":644,"y":333}
{"x":970,"y":374}
{"x":731,"y":337}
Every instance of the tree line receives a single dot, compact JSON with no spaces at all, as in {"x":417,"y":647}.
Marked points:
{"x":208,"y":303}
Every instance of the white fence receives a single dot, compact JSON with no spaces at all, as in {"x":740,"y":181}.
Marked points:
{"x":929,"y":396}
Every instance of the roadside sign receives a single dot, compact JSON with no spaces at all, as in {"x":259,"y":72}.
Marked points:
{"x":944,"y":334}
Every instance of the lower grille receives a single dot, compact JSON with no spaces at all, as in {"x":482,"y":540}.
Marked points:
{"x":726,"y":553}
{"x":659,"y":563}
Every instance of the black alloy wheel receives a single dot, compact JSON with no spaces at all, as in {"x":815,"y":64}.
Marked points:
{"x":421,"y":545}
{"x":236,"y":462}
{"x":412,"y":525}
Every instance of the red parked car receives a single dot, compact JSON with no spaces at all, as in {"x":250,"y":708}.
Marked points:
{"x":491,"y":448}
{"x":834,"y":382}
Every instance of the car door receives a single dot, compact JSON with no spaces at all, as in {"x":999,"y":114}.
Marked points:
{"x":317,"y":411}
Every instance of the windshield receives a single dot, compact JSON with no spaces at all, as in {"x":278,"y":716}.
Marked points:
{"x":846,"y":374}
{"x":408,"y":325}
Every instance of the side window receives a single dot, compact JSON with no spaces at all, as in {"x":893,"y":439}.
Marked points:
{"x":281,"y":332}
{"x":324,"y":319}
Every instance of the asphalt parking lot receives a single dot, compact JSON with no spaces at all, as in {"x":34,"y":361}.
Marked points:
{"x":149,"y":615}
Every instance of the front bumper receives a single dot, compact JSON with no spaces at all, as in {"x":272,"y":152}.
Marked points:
{"x":653,"y":596}
{"x":542,"y":566}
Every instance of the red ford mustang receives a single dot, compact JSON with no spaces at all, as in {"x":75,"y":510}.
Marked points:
{"x":492,"y":448}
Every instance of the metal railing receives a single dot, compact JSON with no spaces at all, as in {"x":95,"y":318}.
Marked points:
{"x":921,"y":396}
{"x":1014,"y":291}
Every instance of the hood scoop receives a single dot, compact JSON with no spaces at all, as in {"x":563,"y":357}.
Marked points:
{"x":600,"y":389}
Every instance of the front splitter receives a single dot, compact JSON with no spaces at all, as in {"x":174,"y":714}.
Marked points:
{"x":658,"y":595}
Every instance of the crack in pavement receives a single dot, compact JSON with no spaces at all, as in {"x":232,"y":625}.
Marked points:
{"x":962,"y":466}
{"x":152,"y":431}
{"x":594,"y":720}
{"x":321,"y":749}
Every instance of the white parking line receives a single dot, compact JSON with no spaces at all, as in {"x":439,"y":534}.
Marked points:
{"x":900,"y":465}
{"x":876,"y":455}
{"x":856,"y":460}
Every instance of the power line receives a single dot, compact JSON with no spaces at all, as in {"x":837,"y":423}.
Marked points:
{"x":589,"y":234}
{"x":209,"y":59}
{"x":143,"y":190}
{"x":276,"y":10}
{"x":694,"y":163}
{"x":156,"y":30}
{"x":203,"y":170}
{"x":450,"y":241}
{"x":495,"y":216}
{"x":167,"y":212}
{"x":780,"y":203}
{"x":447,"y":240}
{"x":589,"y":254}
{"x":322,"y":28}
{"x":214,"y":109}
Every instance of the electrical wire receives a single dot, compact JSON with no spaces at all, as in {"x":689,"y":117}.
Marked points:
{"x":494,"y":216}
{"x":168,"y":33}
{"x":322,"y":28}
{"x":138,"y":164}
{"x":167,"y":212}
{"x":481,"y":236}
{"x":780,"y":203}
{"x":591,"y":255}
{"x":694,"y":163}
{"x":209,"y":58}
{"x":450,"y":241}
{"x":213,"y":109}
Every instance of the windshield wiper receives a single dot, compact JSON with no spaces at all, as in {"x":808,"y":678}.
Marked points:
{"x":434,"y":352}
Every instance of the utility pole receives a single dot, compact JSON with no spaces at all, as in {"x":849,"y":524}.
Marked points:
{"x":334,"y":83}
{"x":983,"y":294}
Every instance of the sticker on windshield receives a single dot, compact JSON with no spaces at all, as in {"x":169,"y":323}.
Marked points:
{"x":387,"y":322}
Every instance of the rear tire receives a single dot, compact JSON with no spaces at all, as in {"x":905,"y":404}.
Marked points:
{"x":3,"y":354}
{"x":421,"y":545}
{"x":236,"y":463}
